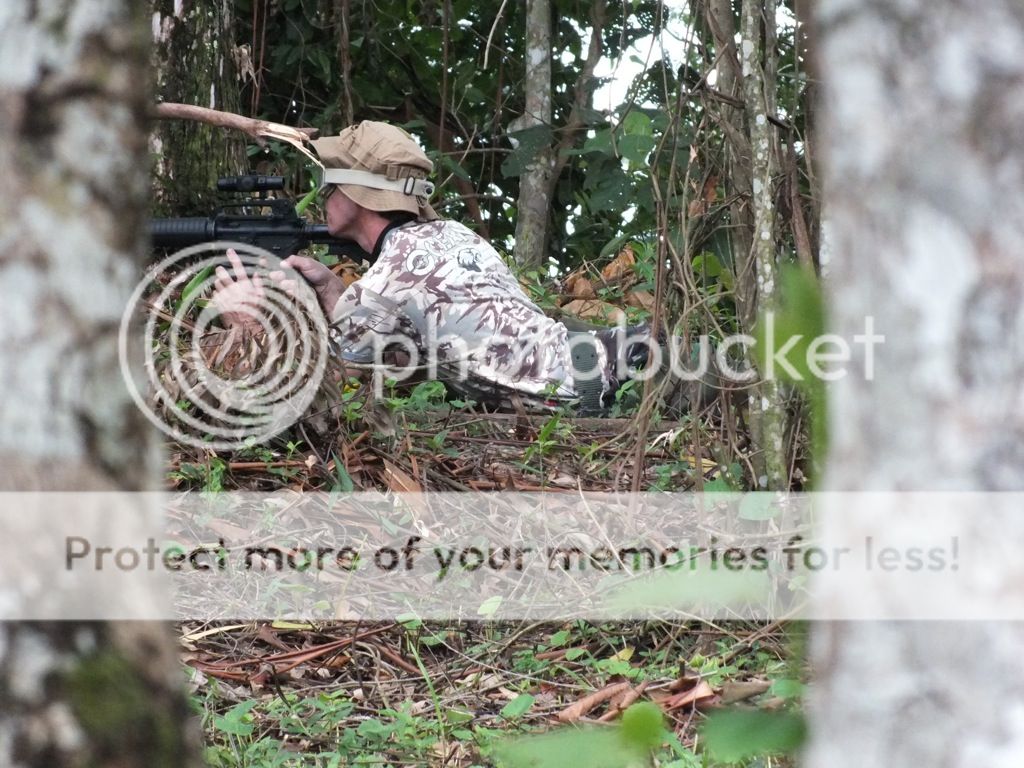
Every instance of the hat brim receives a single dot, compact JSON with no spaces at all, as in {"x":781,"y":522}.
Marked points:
{"x":383,"y":200}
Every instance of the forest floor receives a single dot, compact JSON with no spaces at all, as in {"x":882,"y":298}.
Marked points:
{"x":409,"y":692}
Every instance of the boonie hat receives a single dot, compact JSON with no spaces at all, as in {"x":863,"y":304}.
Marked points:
{"x":379,"y":166}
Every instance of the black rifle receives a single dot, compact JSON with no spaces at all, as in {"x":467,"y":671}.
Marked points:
{"x":269,"y":223}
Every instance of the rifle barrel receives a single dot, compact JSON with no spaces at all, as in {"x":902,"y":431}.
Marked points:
{"x":183,"y":232}
{"x":281,"y":238}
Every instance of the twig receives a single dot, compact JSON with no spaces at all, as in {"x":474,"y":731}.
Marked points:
{"x":490,"y":35}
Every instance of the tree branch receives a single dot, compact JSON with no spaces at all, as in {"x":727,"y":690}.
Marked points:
{"x":258,"y":130}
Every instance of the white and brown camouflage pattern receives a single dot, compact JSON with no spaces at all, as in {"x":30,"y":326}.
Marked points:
{"x":441,"y":290}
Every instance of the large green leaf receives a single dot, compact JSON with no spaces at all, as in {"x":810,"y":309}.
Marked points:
{"x":737,"y":734}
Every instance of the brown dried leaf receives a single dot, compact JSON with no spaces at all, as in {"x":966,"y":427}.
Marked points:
{"x":593,"y":309}
{"x":400,"y":481}
{"x":619,"y":267}
{"x":579,"y":287}
{"x":578,"y":709}
{"x":347,"y":271}
{"x":642,"y":299}
{"x":701,"y":693}
{"x":708,"y":194}
{"x":229,"y":531}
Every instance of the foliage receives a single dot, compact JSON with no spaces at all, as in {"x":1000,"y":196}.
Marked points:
{"x":423,"y":66}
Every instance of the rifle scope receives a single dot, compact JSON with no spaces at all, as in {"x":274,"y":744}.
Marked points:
{"x":250,"y":183}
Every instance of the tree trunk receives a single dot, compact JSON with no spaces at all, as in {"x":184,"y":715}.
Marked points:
{"x":767,"y":408}
{"x":535,"y":184}
{"x":926,"y":211}
{"x":195,"y":62}
{"x":72,"y":214}
{"x":739,"y":182}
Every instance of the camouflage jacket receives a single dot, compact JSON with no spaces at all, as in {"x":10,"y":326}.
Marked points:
{"x":442,"y":295}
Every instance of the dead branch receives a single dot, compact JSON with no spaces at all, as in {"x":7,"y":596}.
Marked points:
{"x":258,"y":130}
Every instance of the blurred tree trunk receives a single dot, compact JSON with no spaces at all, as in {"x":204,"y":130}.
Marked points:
{"x":73,"y":156}
{"x":535,"y":184}
{"x":195,"y":62}
{"x":925,"y":180}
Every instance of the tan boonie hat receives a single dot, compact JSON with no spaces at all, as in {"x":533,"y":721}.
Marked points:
{"x":380,"y":167}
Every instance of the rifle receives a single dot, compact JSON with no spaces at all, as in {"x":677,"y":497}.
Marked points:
{"x":279,"y":230}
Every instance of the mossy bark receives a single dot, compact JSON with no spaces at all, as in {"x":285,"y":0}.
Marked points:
{"x":194,"y":62}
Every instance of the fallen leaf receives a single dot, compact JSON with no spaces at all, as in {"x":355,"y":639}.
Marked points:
{"x":579,"y":287}
{"x":741,"y":690}
{"x":701,"y":693}
{"x":579,"y":708}
{"x":593,"y":309}
{"x":642,"y":299}
{"x":229,"y":531}
{"x":619,"y":267}
{"x":625,"y":654}
{"x":195,"y":636}
{"x":399,"y":481}
{"x":621,"y":701}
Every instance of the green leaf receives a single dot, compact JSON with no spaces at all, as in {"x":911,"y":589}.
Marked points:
{"x":718,"y":485}
{"x":699,"y":588}
{"x":345,"y":484}
{"x":568,"y":747}
{"x":787,"y":688}
{"x":373,"y":727}
{"x":237,"y":720}
{"x":759,"y":506}
{"x":489,"y":606}
{"x":449,"y":164}
{"x":706,"y":264}
{"x":309,"y":197}
{"x":574,"y":653}
{"x":636,"y":148}
{"x":738,"y":734}
{"x":518,"y":706}
{"x":194,"y":284}
{"x":559,"y":638}
{"x":798,"y":319}
{"x":636,"y":124}
{"x":601,"y":141}
{"x":643,"y":725}
{"x":614,"y":245}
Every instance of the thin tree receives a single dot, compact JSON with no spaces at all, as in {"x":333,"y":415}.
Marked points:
{"x":535,"y":183}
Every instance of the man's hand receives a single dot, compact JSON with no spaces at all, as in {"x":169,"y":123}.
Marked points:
{"x":327,"y":286}
{"x":239,"y":298}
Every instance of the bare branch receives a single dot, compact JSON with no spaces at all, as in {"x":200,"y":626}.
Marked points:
{"x":258,"y":130}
